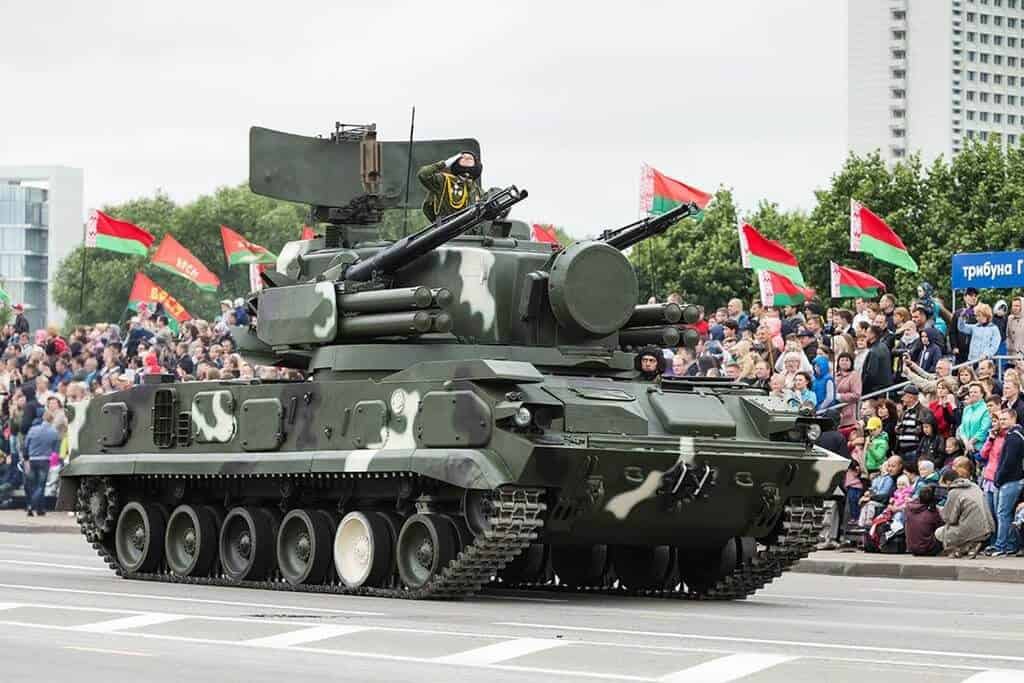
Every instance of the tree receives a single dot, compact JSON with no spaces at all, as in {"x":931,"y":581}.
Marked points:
{"x":699,"y":258}
{"x":109,"y":276}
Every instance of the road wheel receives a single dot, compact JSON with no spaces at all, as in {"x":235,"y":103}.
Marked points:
{"x":190,"y":543}
{"x":701,"y":568}
{"x":426,"y":545}
{"x":580,"y":565}
{"x":247,"y":539}
{"x":642,"y":567}
{"x":304,"y":547}
{"x":363,"y":550}
{"x":139,"y":540}
{"x":527,"y":566}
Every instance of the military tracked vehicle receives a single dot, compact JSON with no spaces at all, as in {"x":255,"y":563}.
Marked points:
{"x":473,"y":413}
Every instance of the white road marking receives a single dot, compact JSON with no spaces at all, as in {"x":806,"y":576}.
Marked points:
{"x":134,"y":621}
{"x":500,"y":652}
{"x":996,"y":677}
{"x":52,"y":565}
{"x":766,"y":641}
{"x":106,"y":652}
{"x":518,"y":598}
{"x":202,"y":601}
{"x":304,"y":635}
{"x":725,"y":669}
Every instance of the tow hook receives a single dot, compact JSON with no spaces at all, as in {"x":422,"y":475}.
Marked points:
{"x":687,"y":482}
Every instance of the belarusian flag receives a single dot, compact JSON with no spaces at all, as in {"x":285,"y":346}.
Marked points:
{"x":307,"y":233}
{"x":779,"y":290}
{"x":174,"y":258}
{"x":850,"y":283}
{"x":255,"y":281}
{"x":239,"y":250}
{"x":870,"y":234}
{"x":760,"y":253}
{"x":145,"y":291}
{"x":543,"y":233}
{"x":108,"y":233}
{"x":659,"y":193}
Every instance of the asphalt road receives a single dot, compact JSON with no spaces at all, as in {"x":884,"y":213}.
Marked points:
{"x":65,"y":617}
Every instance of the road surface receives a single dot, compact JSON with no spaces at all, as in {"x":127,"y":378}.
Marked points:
{"x":65,"y":617}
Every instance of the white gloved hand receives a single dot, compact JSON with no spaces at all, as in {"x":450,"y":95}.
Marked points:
{"x":450,"y":161}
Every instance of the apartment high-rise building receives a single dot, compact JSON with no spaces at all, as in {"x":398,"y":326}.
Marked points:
{"x":927,"y":75}
{"x":41,"y":221}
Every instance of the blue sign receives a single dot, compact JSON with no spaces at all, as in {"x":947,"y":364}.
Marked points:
{"x":989,"y":269}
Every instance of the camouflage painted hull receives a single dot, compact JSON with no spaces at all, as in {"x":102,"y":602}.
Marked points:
{"x":604,"y":463}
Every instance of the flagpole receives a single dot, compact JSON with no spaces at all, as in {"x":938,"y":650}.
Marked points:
{"x":81,"y":291}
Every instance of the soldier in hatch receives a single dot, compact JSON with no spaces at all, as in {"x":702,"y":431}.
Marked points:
{"x":452,"y":184}
{"x":650,"y":362}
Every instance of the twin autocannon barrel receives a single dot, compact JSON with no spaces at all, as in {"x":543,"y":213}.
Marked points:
{"x":408,"y":249}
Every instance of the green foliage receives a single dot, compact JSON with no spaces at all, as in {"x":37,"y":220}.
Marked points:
{"x":109,"y":276}
{"x":973,"y":203}
{"x":698,"y":258}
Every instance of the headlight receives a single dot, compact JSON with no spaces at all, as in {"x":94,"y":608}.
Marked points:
{"x":523,"y":417}
{"x":813,"y":432}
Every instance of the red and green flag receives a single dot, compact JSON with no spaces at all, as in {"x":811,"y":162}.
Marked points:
{"x":104,"y":232}
{"x":870,"y":234}
{"x":760,"y":253}
{"x":779,"y":290}
{"x":145,"y":291}
{"x":307,"y":233}
{"x":540,"y":232}
{"x":660,"y":194}
{"x":848,"y":283}
{"x":174,"y":258}
{"x":240,"y":251}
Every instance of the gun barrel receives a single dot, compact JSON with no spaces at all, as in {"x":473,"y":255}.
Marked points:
{"x":408,"y":249}
{"x":628,"y":235}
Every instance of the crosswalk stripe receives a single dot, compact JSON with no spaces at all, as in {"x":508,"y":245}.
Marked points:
{"x":725,"y":669}
{"x":996,"y":677}
{"x":134,"y":621}
{"x":304,"y":635}
{"x":500,"y":652}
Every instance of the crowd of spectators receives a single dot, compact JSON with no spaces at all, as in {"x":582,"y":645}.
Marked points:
{"x":926,"y":401}
{"x":45,"y":376}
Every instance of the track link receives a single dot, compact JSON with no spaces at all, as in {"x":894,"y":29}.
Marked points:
{"x":802,"y":520}
{"x":515,"y":522}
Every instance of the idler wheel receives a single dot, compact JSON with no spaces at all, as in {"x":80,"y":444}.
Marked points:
{"x":190,"y":543}
{"x":364,"y":550}
{"x":642,"y":567}
{"x":139,"y":539}
{"x":426,"y":545}
{"x":304,"y":546}
{"x":247,"y":543}
{"x":580,"y":565}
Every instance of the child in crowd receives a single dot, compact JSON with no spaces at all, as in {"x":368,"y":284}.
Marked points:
{"x":856,"y":473}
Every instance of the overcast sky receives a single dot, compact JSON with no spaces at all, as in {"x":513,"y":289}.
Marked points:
{"x":567,"y":99}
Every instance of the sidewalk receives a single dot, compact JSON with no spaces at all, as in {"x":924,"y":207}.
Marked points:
{"x":1003,"y":569}
{"x":17,"y":522}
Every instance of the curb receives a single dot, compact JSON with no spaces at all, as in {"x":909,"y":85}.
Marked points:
{"x":892,"y":570}
{"x":38,"y":529}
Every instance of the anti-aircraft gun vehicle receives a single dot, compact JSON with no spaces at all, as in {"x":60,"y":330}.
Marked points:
{"x":472,"y":413}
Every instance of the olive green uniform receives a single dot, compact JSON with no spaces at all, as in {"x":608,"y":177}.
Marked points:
{"x":446,"y":193}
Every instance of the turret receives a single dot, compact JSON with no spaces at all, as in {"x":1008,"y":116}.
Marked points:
{"x":468,"y":285}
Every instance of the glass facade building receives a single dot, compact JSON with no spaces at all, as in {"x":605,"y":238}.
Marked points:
{"x":41,"y":218}
{"x":24,"y":218}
